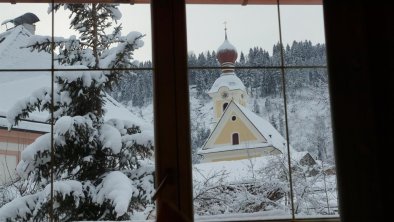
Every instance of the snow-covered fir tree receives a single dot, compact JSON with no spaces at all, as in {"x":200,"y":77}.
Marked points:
{"x":101,"y":169}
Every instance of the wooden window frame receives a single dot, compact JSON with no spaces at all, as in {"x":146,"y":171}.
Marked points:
{"x":171,"y":100}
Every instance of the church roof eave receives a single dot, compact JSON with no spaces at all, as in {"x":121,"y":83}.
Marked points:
{"x":231,"y":81}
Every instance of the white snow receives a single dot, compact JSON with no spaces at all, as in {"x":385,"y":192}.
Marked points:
{"x":237,"y":171}
{"x":66,"y":187}
{"x":63,"y":125}
{"x":117,"y":188}
{"x":117,"y":15}
{"x":41,"y":144}
{"x":22,"y":92}
{"x":108,"y":56}
{"x":276,"y":139}
{"x":110,"y":137}
{"x":13,"y":53}
{"x":115,"y":110}
{"x":87,"y":77}
{"x":6,"y":21}
{"x":133,"y":36}
{"x":20,"y":88}
{"x":226,"y":45}
{"x":230,"y":80}
{"x":19,"y":206}
{"x":29,"y":204}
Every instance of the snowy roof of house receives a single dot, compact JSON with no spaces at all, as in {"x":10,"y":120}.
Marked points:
{"x":14,"y":56}
{"x":15,"y":86}
{"x":229,"y":80}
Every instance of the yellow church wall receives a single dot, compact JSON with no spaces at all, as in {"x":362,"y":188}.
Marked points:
{"x":237,"y":126}
{"x":218,"y":108}
{"x":237,"y":95}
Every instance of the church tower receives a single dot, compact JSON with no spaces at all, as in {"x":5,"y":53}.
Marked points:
{"x":228,"y":87}
{"x":237,"y":132}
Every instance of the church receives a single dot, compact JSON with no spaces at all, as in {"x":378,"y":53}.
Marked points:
{"x":238,"y":133}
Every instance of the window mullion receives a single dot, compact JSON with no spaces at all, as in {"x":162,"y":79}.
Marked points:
{"x":171,"y":108}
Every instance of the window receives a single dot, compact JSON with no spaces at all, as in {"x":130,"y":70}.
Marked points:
{"x":271,"y":58}
{"x":73,"y":132}
{"x":235,"y":138}
{"x":225,"y":106}
{"x":174,"y":177}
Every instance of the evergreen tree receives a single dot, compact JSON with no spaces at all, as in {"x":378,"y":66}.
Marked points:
{"x":100,"y":167}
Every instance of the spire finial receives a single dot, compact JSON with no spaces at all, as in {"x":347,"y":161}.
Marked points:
{"x":225,"y":29}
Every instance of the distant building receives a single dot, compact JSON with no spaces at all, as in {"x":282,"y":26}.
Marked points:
{"x":238,"y":133}
{"x":27,"y":20}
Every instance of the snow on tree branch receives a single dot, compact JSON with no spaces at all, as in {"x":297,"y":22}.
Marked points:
{"x":39,"y":100}
{"x":116,"y":188}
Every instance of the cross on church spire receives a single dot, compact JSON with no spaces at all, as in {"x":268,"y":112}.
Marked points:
{"x":225,"y":29}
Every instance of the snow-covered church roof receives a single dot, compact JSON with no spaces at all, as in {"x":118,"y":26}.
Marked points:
{"x":231,"y":81}
{"x":264,"y":128}
{"x":18,"y":85}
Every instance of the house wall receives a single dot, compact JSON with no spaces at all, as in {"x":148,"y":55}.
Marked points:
{"x":12,"y":143}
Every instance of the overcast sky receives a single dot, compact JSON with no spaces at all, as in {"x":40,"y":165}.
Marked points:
{"x":248,"y":26}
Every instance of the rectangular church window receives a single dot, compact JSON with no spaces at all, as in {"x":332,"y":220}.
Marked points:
{"x":235,"y":139}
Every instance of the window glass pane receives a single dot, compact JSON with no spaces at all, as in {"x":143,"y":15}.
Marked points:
{"x":303,"y":35}
{"x":254,"y":28}
{"x":19,"y":92}
{"x":310,"y":134}
{"x":240,"y":165}
{"x":117,"y":24}
{"x":103,"y":130}
{"x":19,"y":25}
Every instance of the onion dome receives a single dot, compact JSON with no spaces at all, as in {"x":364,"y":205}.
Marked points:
{"x":226,"y":55}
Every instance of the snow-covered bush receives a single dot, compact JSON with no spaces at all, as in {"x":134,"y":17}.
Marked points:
{"x":262,"y":185}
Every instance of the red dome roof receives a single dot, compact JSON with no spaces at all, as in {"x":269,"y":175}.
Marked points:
{"x":227,"y":53}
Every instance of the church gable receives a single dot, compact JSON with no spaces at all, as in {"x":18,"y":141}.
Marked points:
{"x":234,"y":128}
